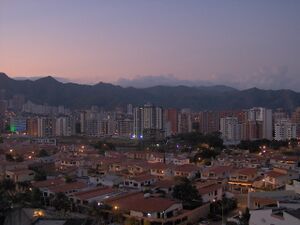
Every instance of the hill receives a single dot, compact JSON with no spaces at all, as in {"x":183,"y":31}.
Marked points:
{"x":49,"y":90}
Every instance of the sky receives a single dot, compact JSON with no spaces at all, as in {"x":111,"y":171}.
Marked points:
{"x":232,"y":42}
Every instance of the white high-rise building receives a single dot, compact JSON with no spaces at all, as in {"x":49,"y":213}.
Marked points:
{"x":230,"y":129}
{"x":285,"y":130}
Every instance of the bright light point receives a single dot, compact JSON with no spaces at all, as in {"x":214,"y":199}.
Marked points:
{"x":38,"y":213}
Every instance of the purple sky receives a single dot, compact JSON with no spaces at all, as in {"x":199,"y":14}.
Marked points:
{"x":242,"y":43}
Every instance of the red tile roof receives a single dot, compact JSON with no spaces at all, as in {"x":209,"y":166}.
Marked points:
{"x":95,"y":192}
{"x":275,"y":174}
{"x":187,"y":168}
{"x":48,"y":183}
{"x":143,"y":177}
{"x":220,"y":169}
{"x":247,"y":171}
{"x":209,"y":188}
{"x":68,"y":187}
{"x":137,"y":202}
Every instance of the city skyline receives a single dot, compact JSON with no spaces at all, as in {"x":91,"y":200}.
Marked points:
{"x":238,"y":44}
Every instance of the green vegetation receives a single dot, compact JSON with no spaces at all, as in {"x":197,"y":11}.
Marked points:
{"x":10,"y":197}
{"x":43,"y":153}
{"x":40,"y":174}
{"x":226,"y":205}
{"x":196,"y":139}
{"x":61,"y":202}
{"x":99,"y":212}
{"x":187,"y":193}
{"x":103,"y":146}
{"x":205,"y":154}
{"x":14,"y":157}
{"x":255,"y":146}
{"x":68,"y":179}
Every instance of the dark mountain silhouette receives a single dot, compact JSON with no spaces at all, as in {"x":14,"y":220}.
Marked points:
{"x":52,"y":92}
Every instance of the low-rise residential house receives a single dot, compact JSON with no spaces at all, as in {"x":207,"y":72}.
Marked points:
{"x":44,"y":185}
{"x":157,"y":158}
{"x":210,"y":191}
{"x":241,"y":180}
{"x":216,"y":172}
{"x":179,"y":160}
{"x":5,"y":165}
{"x":66,"y":188}
{"x":164,"y":185}
{"x":140,"y":181}
{"x":257,"y":200}
{"x":20,"y":175}
{"x":161,"y":170}
{"x":69,"y":161}
{"x":275,"y":216}
{"x":109,"y":180}
{"x":189,"y":171}
{"x":146,"y":207}
{"x":97,"y":194}
{"x":139,"y":167}
{"x":277,"y":178}
{"x":286,"y":162}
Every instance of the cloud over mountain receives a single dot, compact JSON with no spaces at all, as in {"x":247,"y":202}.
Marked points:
{"x":275,"y":78}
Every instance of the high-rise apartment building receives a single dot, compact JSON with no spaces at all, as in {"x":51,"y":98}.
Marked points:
{"x":184,"y":122}
{"x":170,"y":121}
{"x":231,"y":130}
{"x":46,"y":127}
{"x":284,"y":130}
{"x":296,"y":119}
{"x":263,"y":116}
{"x":147,"y":117}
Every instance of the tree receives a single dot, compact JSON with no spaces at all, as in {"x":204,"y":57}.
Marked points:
{"x":97,"y":211}
{"x":187,"y":192}
{"x":43,"y":153}
{"x":225,"y":205}
{"x":9,"y":157}
{"x":36,"y":198}
{"x":68,"y":179}
{"x":40,"y":175}
{"x":61,"y":202}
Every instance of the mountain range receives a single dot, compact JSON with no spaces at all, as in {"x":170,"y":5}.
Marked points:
{"x":52,"y":92}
